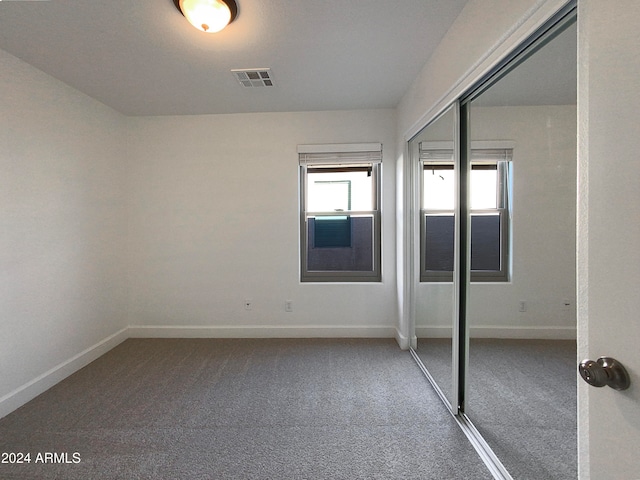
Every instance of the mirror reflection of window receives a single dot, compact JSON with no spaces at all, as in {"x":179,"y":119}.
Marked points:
{"x":438,"y":187}
{"x":484,"y":186}
{"x":489,"y":202}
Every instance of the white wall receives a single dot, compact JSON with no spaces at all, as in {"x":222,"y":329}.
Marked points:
{"x":214,"y":221}
{"x":61,"y":227}
{"x":543,"y":225}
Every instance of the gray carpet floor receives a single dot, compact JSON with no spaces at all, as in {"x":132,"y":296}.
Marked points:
{"x":523,"y":400}
{"x":242,"y":409}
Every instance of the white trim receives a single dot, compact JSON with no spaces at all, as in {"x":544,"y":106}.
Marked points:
{"x":259,"y":331}
{"x":497,"y":331}
{"x":40,"y":384}
{"x":406,"y":244}
{"x":583,"y":256}
{"x":403,"y":341}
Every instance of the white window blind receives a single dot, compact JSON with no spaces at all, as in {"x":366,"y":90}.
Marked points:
{"x":331,"y":154}
{"x":480,"y":152}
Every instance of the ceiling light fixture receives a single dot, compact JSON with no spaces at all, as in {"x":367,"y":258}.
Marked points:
{"x":208,"y":15}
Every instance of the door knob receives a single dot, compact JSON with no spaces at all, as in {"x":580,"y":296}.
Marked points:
{"x":604,"y":371}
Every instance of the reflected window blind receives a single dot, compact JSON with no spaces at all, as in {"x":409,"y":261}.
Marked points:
{"x":441,"y":152}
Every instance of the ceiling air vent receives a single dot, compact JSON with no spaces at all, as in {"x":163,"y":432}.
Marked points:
{"x":254,"y":77}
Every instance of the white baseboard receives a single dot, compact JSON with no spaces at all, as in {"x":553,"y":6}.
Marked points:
{"x":524,"y":333}
{"x":33,"y":388}
{"x":513,"y":332}
{"x":259,"y":331}
{"x":403,"y":341}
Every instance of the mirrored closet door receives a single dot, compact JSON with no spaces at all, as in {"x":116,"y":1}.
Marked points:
{"x":434,"y":169}
{"x":500,"y":260}
{"x":521,"y":376}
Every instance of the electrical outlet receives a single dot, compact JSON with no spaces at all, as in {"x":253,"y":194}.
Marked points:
{"x":288,"y":306}
{"x":522,"y":306}
{"x":248,"y":305}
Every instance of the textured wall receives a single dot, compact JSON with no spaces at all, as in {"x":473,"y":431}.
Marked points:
{"x":62,"y":223}
{"x":214,"y":221}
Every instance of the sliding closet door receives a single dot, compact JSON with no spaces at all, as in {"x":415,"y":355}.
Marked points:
{"x":434,"y":172}
{"x":521,"y":316}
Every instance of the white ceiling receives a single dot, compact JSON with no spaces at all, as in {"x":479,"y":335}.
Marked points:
{"x":142,"y":57}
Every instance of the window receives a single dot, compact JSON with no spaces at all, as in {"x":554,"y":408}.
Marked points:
{"x":340,"y":212}
{"x":489,"y":205}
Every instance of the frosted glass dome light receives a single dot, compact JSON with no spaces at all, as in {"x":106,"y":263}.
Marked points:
{"x":208,"y":15}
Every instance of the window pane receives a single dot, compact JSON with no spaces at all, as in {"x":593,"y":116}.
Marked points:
{"x":332,"y":232}
{"x":439,"y":188}
{"x":485,"y":242}
{"x":340,"y":243}
{"x":439,"y":231}
{"x":484,"y":188}
{"x":339,"y":191}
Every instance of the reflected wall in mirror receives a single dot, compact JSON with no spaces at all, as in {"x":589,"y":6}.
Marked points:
{"x":432,"y":157}
{"x":521,"y":391}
